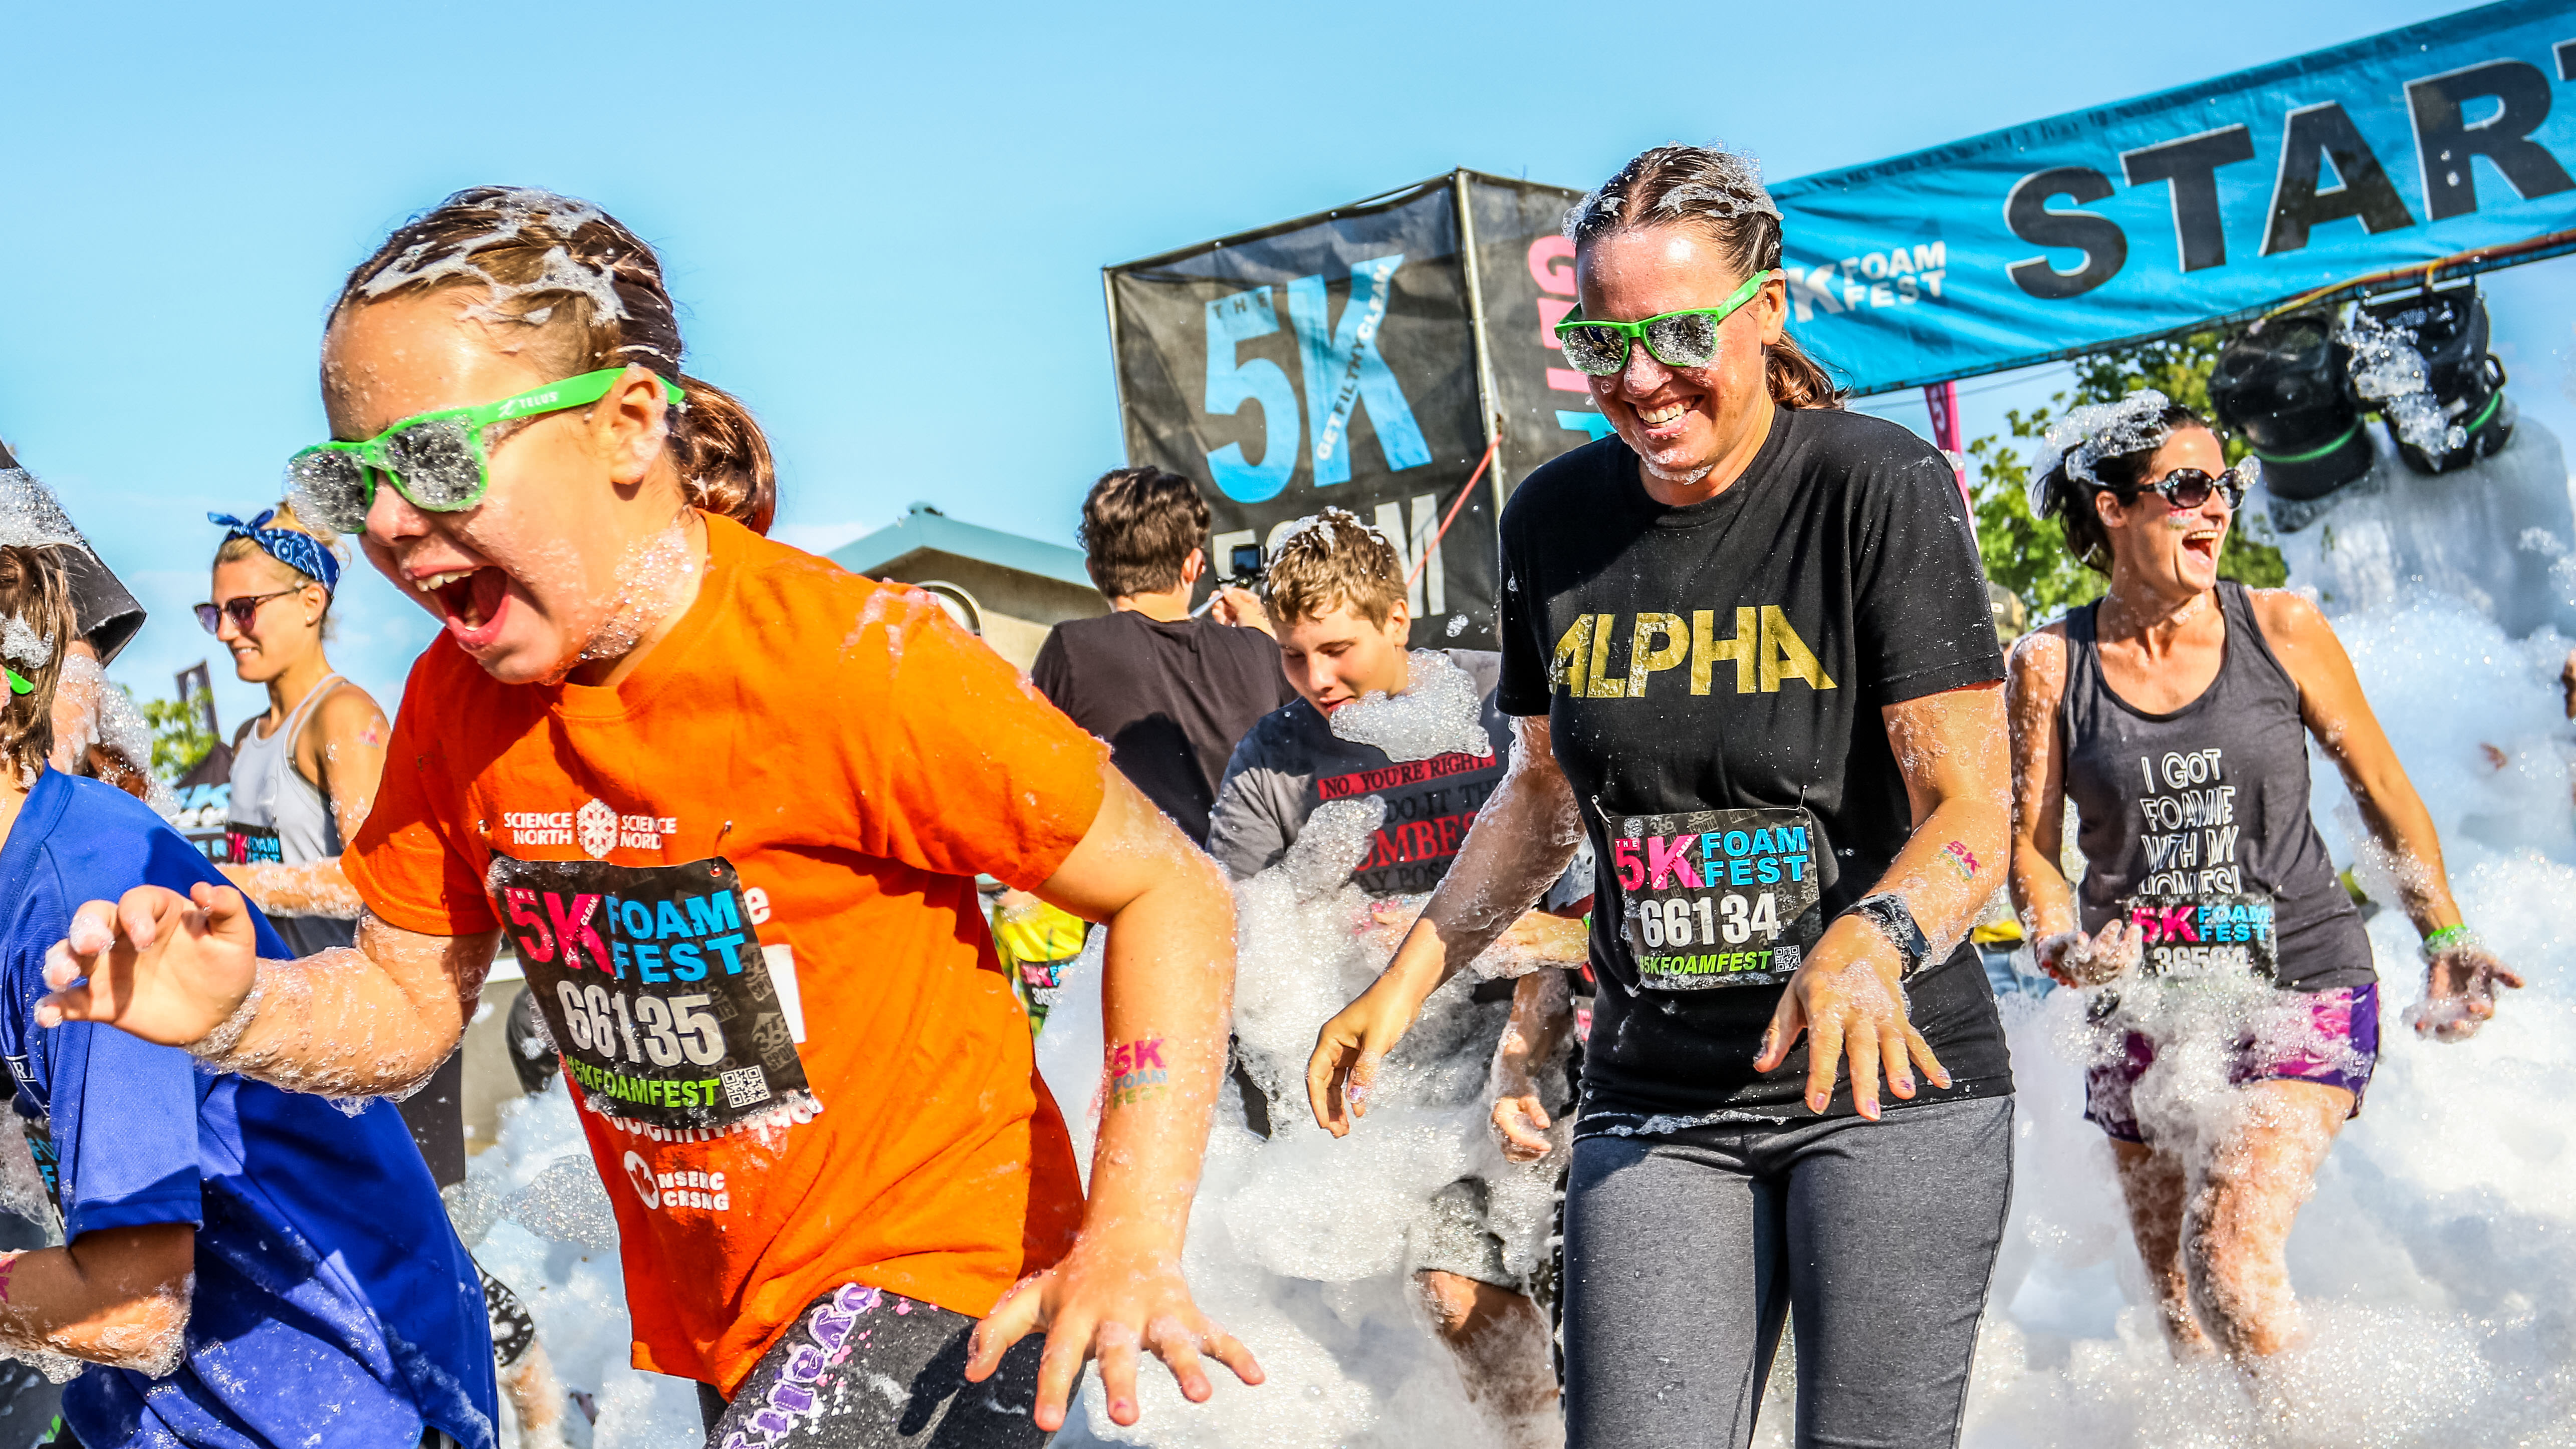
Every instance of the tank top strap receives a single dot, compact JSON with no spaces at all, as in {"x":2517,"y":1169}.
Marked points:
{"x":304,"y":710}
{"x":293,"y":727}
{"x":2084,"y":686}
{"x":2248,"y":650}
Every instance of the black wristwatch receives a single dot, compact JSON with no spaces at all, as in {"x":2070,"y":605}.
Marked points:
{"x":1888,"y":912}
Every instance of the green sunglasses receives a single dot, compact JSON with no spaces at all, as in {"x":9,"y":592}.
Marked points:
{"x":1675,"y":339}
{"x":437,"y":459}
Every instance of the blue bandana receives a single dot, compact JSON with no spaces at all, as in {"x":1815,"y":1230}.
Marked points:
{"x":301,"y":552}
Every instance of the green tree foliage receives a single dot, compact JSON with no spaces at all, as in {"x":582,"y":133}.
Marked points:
{"x":2029,"y":556}
{"x":180,"y":738}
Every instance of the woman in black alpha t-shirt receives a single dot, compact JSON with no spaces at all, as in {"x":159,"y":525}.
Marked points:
{"x":1749,"y":645}
{"x":2176,"y":714}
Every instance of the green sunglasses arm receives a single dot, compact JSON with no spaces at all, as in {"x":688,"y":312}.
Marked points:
{"x":572,"y":392}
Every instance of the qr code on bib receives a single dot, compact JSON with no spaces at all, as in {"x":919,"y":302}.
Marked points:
{"x":745,"y":1087}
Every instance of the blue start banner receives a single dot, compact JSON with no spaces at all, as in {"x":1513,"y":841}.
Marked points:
{"x":2135,"y":220}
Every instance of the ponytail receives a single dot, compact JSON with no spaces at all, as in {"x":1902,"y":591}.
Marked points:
{"x":723,"y":457}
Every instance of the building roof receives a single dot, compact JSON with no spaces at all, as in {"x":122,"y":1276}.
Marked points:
{"x":924,"y":529}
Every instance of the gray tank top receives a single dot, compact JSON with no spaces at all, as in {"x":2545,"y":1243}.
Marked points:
{"x":2209,"y":800}
{"x":279,"y":817}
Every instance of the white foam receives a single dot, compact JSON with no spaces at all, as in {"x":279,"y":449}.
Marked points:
{"x":1441,"y":712}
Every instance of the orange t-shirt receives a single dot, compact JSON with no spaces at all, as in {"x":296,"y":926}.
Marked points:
{"x":742,"y":884}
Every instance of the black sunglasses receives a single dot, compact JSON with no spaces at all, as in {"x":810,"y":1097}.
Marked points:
{"x":245,"y":610}
{"x":2191,"y":487}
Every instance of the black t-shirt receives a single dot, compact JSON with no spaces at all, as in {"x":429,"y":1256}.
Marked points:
{"x":1171,"y":699}
{"x":1731,"y":654}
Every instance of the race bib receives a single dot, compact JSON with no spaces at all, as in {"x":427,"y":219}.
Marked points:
{"x":654,"y":984}
{"x":2204,"y":935}
{"x":1717,"y":897}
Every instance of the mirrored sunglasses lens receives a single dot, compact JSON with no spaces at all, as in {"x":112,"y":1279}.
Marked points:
{"x":2186,"y":487}
{"x":1688,"y":340}
{"x":435,"y":464}
{"x":1596,"y":350}
{"x":328,"y":487}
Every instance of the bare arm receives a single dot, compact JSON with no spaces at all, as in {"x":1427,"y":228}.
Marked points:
{"x":118,"y":1296}
{"x":184,"y":971}
{"x":2339,"y":716}
{"x":1166,"y":992}
{"x":1848,"y":994}
{"x":1542,"y":1013}
{"x":1518,"y":846}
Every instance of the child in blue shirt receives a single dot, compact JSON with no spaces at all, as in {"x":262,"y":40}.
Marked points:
{"x":242,"y":1266}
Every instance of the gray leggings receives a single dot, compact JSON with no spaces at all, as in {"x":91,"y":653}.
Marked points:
{"x":1683,"y":1252}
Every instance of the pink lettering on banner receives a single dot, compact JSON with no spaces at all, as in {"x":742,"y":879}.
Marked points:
{"x":1668,"y":856}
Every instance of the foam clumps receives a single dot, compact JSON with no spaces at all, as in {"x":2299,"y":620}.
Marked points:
{"x":30,"y":515}
{"x":2389,"y":373}
{"x":534,"y":1211}
{"x":1440,"y":713}
{"x":1297,"y":1244}
{"x":2088,"y":434}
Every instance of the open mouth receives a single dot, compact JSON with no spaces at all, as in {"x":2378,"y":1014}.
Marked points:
{"x":471,"y":601}
{"x":2204,"y":542}
{"x":1663,"y":414}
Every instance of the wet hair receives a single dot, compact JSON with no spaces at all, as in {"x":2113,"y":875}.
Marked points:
{"x":593,"y":291}
{"x":2060,"y":493}
{"x":35,"y":620}
{"x":1332,"y":560}
{"x":237,"y":548}
{"x":1720,"y":195}
{"x":1138,"y":527}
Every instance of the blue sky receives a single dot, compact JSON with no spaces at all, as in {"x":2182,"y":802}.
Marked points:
{"x":885,"y":225}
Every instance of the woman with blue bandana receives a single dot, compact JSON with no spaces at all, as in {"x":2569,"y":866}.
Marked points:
{"x":304,"y":774}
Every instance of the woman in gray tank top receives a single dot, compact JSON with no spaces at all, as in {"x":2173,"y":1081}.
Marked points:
{"x":304,"y":773}
{"x":2236,"y":1010}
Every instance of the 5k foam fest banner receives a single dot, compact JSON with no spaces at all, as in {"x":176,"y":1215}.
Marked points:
{"x":1354,"y":358}
{"x":2142,"y":218}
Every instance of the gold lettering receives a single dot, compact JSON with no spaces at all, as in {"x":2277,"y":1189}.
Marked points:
{"x":1603,"y":685}
{"x":1643,"y":660}
{"x":1707,"y":649}
{"x":1573,"y":656}
{"x":1785,"y":655}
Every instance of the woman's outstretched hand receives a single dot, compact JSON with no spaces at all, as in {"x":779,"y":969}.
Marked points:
{"x":166,"y":967}
{"x":1111,"y":1300}
{"x":1848,"y":998}
{"x":2459,"y":993}
{"x":1349,"y":1048}
{"x":2072,"y":958}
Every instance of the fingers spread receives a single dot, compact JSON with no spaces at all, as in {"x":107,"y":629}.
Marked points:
{"x":1863,"y":1047}
{"x":93,"y":928}
{"x":1068,"y":1343}
{"x":1178,"y":1347}
{"x":1921,"y":1051}
{"x":1893,"y":1049}
{"x":1787,"y":1021}
{"x":1824,"y":1055}
{"x":1226,"y":1349}
{"x":1116,"y":1344}
{"x":1008,"y":1323}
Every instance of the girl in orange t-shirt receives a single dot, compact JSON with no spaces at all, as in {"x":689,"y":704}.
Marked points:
{"x":726,"y":803}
